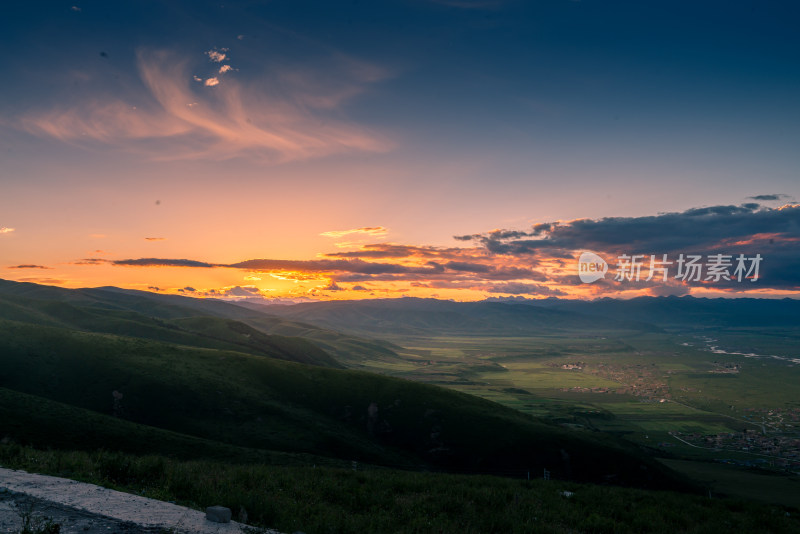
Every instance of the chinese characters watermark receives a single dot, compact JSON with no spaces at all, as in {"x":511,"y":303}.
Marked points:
{"x":686,"y":267}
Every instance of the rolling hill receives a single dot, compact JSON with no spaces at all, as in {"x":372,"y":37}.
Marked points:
{"x":132,"y":377}
{"x":181,"y":320}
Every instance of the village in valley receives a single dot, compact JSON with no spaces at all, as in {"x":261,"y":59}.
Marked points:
{"x":773,"y":441}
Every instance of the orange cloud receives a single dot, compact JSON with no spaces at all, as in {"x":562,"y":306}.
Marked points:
{"x":541,"y":261}
{"x":216,"y":56}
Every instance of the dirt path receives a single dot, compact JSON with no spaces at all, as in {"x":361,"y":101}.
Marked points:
{"x":86,"y":508}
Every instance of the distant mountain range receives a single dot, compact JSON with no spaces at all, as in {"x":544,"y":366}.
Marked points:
{"x":414,"y":316}
{"x":686,"y":311}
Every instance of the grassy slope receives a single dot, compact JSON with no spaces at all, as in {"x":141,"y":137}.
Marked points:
{"x":324,"y":500}
{"x":130,"y":312}
{"x":263,"y":403}
{"x":746,"y":483}
{"x":30,"y":419}
{"x":199,"y":331}
{"x":344,"y":347}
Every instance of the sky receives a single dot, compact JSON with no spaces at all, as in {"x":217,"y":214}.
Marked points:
{"x":459,"y":149}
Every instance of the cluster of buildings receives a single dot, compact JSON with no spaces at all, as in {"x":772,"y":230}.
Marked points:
{"x":783,"y":419}
{"x":775,"y":450}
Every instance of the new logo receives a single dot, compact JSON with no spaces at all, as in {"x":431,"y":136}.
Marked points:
{"x":591,"y":267}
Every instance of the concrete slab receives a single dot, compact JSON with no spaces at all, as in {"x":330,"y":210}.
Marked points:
{"x":116,"y":505}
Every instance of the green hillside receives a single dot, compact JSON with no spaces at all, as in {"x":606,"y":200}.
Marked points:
{"x":55,"y":425}
{"x":166,"y":318}
{"x":199,"y":331}
{"x":262,"y":403}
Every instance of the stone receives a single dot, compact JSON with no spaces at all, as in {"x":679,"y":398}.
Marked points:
{"x":218,"y":514}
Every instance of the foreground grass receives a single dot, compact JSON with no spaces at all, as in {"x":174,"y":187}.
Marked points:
{"x":325,"y":500}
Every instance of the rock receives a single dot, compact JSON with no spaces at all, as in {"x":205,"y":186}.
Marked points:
{"x":218,"y":514}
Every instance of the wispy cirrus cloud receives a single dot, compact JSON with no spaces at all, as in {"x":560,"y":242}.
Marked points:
{"x":284,"y":115}
{"x":395,"y":250}
{"x":5,"y":230}
{"x":28,"y":266}
{"x":372,"y":231}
